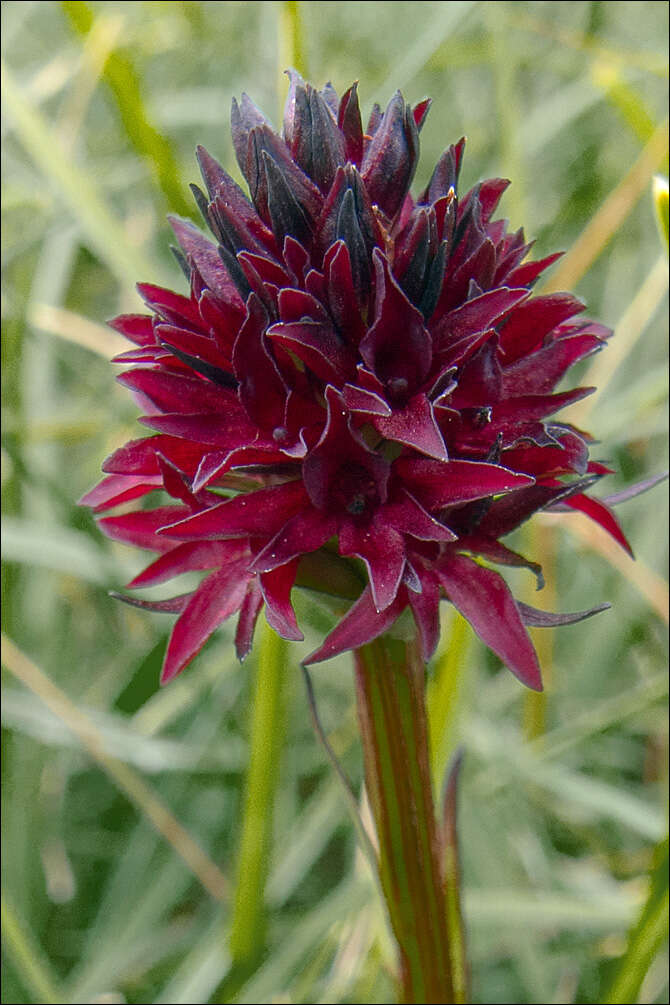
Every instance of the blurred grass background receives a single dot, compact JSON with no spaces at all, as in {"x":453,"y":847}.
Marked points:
{"x":122,"y":803}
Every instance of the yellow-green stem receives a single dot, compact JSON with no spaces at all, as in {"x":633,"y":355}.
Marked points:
{"x":265,"y":743}
{"x":390,"y":689}
{"x":291,"y":39}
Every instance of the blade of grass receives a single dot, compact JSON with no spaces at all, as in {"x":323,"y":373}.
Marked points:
{"x":29,"y":960}
{"x":628,"y":330}
{"x":583,"y":42}
{"x":74,"y":328}
{"x":444,"y":695}
{"x":120,"y":75}
{"x":304,"y":936}
{"x":130,"y":783}
{"x":648,"y":583}
{"x":604,"y":224}
{"x":418,"y":52}
{"x":98,"y":45}
{"x":646,"y":938}
{"x":146,"y":753}
{"x":624,"y":99}
{"x":104,"y":233}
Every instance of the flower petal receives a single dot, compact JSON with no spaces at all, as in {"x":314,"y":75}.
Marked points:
{"x":447,"y":484}
{"x":415,"y":426}
{"x":305,"y":532}
{"x":361,"y":624}
{"x":187,"y":558}
{"x":246,"y":622}
{"x":383,"y":550}
{"x":262,"y":512}
{"x":483,"y":597}
{"x":276,"y":587}
{"x":548,"y":619}
{"x":218,"y":596}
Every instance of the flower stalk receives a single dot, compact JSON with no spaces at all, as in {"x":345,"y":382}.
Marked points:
{"x":392,"y":713}
{"x":265,"y":745}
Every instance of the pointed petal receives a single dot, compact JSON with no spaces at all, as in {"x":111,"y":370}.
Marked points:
{"x":276,"y":587}
{"x":548,"y":619}
{"x":342,"y":292}
{"x":139,"y":457}
{"x":116,"y":489}
{"x":383,"y":550}
{"x":173,"y":605}
{"x":476,"y":315}
{"x":525,"y":275}
{"x":525,"y":329}
{"x":141,"y":528}
{"x":218,"y":596}
{"x":138,"y":328}
{"x":262,"y":390}
{"x":305,"y":532}
{"x":225,"y":431}
{"x":483,"y":598}
{"x":253,"y":513}
{"x":601,"y":514}
{"x":448,"y":484}
{"x":349,"y":121}
{"x":172,"y":392}
{"x":397,"y":348}
{"x":426,"y":610}
{"x":319,"y":348}
{"x":358,"y":399}
{"x":509,"y":512}
{"x":539,"y":372}
{"x":174,"y":308}
{"x":407,"y":516}
{"x":187,"y":558}
{"x":495,"y":551}
{"x":246,"y":622}
{"x":360,"y":625}
{"x":634,"y":490}
{"x":205,"y":256}
{"x":415,"y":426}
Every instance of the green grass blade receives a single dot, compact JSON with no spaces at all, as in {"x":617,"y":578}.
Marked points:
{"x":646,"y":938}
{"x":29,"y":961}
{"x":100,"y":229}
{"x":120,"y":75}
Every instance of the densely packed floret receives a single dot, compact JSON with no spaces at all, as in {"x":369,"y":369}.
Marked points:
{"x":353,"y":372}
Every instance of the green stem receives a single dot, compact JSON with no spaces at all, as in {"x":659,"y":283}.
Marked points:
{"x":291,"y":38}
{"x":265,"y":742}
{"x":28,"y":958}
{"x":391,"y":706}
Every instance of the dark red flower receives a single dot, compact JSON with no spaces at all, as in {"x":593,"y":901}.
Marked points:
{"x":354,"y":371}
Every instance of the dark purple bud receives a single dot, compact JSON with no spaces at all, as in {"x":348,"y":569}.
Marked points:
{"x":390,"y":160}
{"x":349,"y":121}
{"x":445,"y":175}
{"x":329,"y":95}
{"x":420,"y":112}
{"x":311,"y":133}
{"x":235,"y":271}
{"x":375,"y":120}
{"x":349,"y":231}
{"x":286,"y":215}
